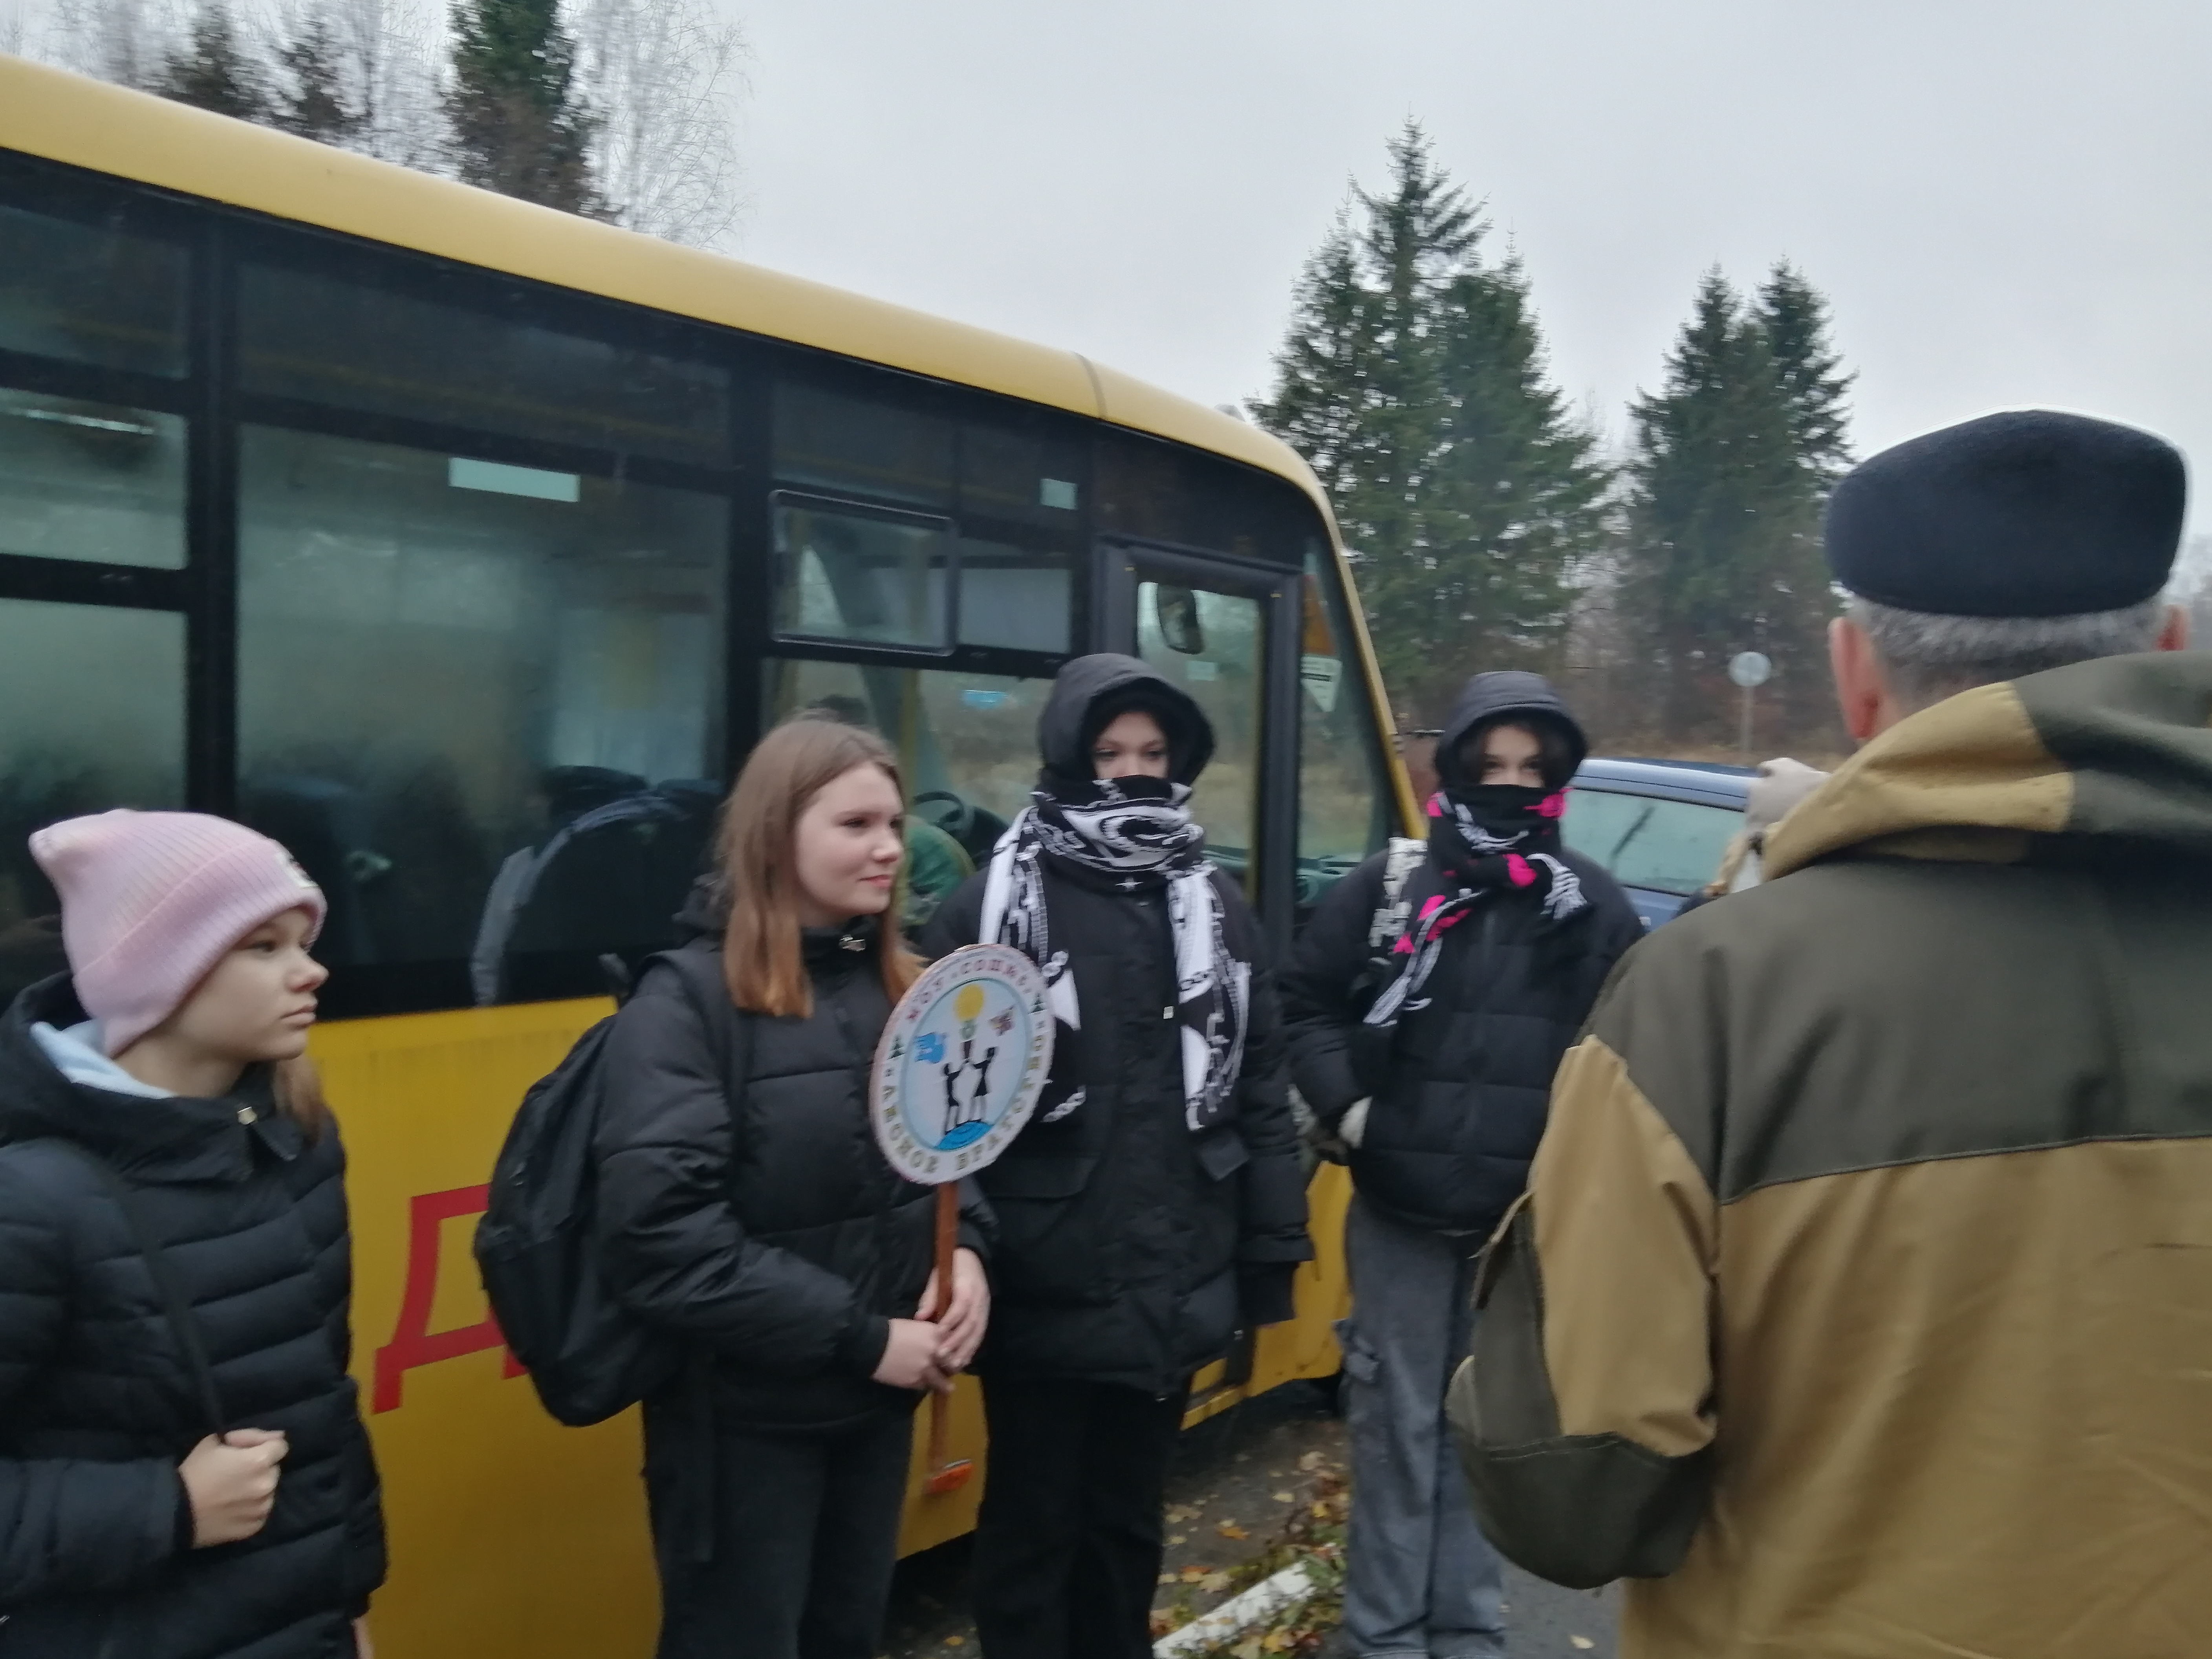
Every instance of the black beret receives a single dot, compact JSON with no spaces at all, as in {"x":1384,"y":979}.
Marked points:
{"x":2027,"y":513}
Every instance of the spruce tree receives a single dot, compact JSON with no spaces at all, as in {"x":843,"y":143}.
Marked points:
{"x":315,"y":103}
{"x":517,"y":121}
{"x":1412,"y":379}
{"x":1421,"y":234}
{"x":1518,"y":494}
{"x":1795,"y":316}
{"x":1325,"y":372}
{"x":1723,"y":550}
{"x":213,"y":71}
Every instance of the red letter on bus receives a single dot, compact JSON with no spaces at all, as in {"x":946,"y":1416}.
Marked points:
{"x":413,"y":1342}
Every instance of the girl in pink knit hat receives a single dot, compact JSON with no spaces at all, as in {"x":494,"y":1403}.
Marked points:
{"x":183,"y":1468}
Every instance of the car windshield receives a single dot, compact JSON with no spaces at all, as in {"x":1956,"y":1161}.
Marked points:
{"x":1674,"y":846}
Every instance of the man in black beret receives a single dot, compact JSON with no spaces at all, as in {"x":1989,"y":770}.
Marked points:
{"x":2000,"y":548}
{"x":1861,"y":1303}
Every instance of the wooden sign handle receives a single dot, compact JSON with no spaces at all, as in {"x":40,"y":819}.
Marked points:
{"x":943,"y":1476}
{"x":948,"y":1239}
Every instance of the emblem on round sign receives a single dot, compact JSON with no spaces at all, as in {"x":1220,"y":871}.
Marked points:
{"x":961,"y":1065}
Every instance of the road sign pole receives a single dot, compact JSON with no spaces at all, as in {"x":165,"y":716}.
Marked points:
{"x":1748,"y":670}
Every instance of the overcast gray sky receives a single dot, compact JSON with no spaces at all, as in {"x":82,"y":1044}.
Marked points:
{"x":2006,"y":203}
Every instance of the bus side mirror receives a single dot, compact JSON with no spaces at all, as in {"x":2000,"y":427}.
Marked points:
{"x":1176,"y":609}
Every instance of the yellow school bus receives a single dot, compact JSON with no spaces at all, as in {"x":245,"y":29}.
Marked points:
{"x":465,"y":547}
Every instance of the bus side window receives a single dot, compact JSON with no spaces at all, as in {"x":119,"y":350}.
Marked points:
{"x":482,"y":555}
{"x":92,"y":716}
{"x":864,"y":574}
{"x":95,"y":391}
{"x":1021,"y":501}
{"x":90,"y":293}
{"x":83,"y":477}
{"x":1346,"y":796}
{"x":865,"y":472}
{"x":491,"y":364}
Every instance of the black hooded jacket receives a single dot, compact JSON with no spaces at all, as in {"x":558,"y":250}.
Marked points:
{"x":1124,"y":1240}
{"x":1458,"y":1100}
{"x":97,"y":1406}
{"x":767,"y":1229}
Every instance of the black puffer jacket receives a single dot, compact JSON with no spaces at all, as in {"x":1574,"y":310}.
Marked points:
{"x":1124,"y":1241}
{"x":97,"y":1408}
{"x":769,"y":1229}
{"x":1458,"y":1103}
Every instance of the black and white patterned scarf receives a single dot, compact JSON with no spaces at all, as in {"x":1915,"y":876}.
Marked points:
{"x":1139,"y":833}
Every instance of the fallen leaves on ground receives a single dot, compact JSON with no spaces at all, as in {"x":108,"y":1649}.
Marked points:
{"x":1231,"y":1529}
{"x":1312,"y":1536}
{"x":1582,"y":1641}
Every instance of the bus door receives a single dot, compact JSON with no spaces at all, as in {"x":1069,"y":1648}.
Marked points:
{"x":1224,"y":632}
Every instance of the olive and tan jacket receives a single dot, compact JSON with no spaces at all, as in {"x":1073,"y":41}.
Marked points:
{"x":1860,"y":1304}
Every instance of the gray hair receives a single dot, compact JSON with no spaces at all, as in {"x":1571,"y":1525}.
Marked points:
{"x":1926,"y":658}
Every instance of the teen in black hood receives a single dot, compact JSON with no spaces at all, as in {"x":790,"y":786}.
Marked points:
{"x":1155,"y":1202}
{"x":1091,"y":692}
{"x":1522,"y":699}
{"x":1428,"y":1033}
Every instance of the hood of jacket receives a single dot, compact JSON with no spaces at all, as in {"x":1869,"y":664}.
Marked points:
{"x":1084,"y":692}
{"x":2110,"y":757}
{"x":1492,"y":695}
{"x":705,"y":912}
{"x":177,"y":1138}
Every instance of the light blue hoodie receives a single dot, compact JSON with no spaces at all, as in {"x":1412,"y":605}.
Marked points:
{"x":77,"y":1056}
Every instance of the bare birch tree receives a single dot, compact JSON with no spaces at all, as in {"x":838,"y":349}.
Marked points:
{"x":125,"y":41}
{"x":382,"y":57}
{"x":664,"y":78}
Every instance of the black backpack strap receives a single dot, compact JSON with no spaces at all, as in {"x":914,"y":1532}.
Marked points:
{"x":183,"y":1324}
{"x":731,"y":1037}
{"x":730,"y":1033}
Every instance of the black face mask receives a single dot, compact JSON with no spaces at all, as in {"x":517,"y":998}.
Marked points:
{"x":1503,"y":835}
{"x":1506,"y":809}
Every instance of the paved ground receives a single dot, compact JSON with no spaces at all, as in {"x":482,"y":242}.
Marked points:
{"x":1241,"y":1473}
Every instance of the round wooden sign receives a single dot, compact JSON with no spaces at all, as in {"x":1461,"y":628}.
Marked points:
{"x":961,"y":1065}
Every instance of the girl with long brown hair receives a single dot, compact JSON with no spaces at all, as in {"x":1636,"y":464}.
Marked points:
{"x":744,"y":1207}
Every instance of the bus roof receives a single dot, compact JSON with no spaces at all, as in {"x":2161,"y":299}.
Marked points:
{"x":66,"y":117}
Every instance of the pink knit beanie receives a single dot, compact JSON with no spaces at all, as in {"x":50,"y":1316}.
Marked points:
{"x":152,"y":900}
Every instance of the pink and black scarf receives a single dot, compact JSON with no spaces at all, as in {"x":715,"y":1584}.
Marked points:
{"x":1485,"y":841}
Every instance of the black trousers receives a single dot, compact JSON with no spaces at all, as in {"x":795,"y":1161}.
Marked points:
{"x":805,"y":1534}
{"x":1068,"y":1546}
